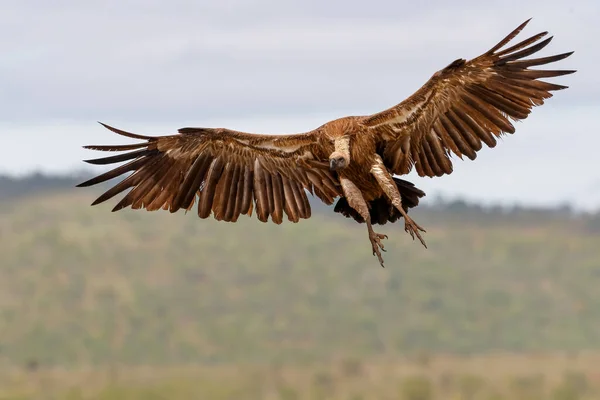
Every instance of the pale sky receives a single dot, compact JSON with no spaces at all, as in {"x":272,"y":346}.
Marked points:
{"x":278,"y":66}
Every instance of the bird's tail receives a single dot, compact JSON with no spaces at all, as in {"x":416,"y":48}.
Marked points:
{"x":381,"y":209}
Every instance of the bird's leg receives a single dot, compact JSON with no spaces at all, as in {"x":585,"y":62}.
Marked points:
{"x":357,"y":201}
{"x":389,"y":187}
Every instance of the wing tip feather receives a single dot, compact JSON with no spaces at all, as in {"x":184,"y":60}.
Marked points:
{"x":125,"y":133}
{"x":508,"y":37}
{"x":96,"y":202}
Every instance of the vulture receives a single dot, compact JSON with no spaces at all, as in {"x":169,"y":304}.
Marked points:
{"x":354,"y":159}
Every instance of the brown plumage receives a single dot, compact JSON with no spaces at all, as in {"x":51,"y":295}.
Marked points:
{"x":228,"y":173}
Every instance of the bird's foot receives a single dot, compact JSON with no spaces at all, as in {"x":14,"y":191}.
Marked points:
{"x":376,"y":244}
{"x":413,"y":228}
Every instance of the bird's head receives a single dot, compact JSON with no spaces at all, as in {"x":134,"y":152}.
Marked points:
{"x":338,"y":161}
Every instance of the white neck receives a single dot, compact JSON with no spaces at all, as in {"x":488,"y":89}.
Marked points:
{"x":342,"y":146}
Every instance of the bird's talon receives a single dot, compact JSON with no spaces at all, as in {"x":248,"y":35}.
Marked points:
{"x":377,"y":245}
{"x":413,"y":229}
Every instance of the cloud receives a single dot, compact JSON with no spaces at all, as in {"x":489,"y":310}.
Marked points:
{"x":166,"y":60}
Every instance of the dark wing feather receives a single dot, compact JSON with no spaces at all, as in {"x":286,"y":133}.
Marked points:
{"x":465,"y":105}
{"x":228,"y":172}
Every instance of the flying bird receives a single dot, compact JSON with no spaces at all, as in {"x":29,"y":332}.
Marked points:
{"x":354,"y":159}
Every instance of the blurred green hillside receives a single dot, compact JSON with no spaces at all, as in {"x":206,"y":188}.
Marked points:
{"x":83,"y":286}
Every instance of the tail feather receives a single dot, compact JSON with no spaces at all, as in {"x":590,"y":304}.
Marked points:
{"x":382,"y":211}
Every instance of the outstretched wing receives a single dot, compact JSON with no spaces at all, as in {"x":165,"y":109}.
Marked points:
{"x":229,"y":172}
{"x":464,"y":105}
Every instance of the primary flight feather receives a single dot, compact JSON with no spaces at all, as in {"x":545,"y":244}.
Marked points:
{"x":229,"y":173}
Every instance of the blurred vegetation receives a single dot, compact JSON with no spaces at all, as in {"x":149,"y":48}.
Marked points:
{"x":94,"y":304}
{"x":480,"y":377}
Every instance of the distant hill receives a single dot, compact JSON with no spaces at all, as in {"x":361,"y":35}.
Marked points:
{"x":83,"y":285}
{"x":13,"y":187}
